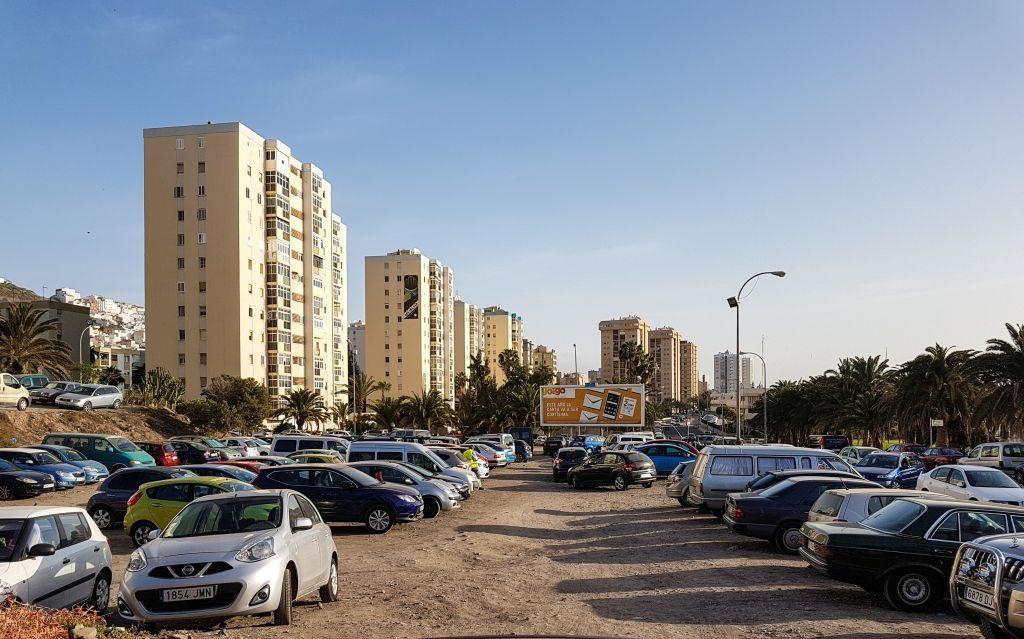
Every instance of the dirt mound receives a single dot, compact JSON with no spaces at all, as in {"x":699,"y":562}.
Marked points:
{"x":137,"y":424}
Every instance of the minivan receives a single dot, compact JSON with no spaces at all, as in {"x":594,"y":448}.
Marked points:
{"x":12,"y":393}
{"x":112,"y":451}
{"x":411,"y":452}
{"x":285,"y":445}
{"x":1006,"y":456}
{"x":724,"y":469}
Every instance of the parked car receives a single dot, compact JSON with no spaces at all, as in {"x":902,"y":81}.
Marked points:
{"x":156,"y":503}
{"x":221,"y":470}
{"x":109,"y":503}
{"x":54,"y":557}
{"x":493,"y":456}
{"x":905,"y":550}
{"x":676,"y":485}
{"x":776,"y":513}
{"x":524,"y":451}
{"x":460,"y":487}
{"x":892,"y":470}
{"x":94,"y":471}
{"x":437,"y":496}
{"x":629,"y":438}
{"x":64,"y":476}
{"x":1007,"y":457}
{"x":456,"y":459}
{"x":555,"y":443}
{"x":501,"y":441}
{"x":665,"y":456}
{"x":34,"y":381}
{"x":267,"y":460}
{"x":217,"y":446}
{"x":163,"y":453}
{"x":18,"y":484}
{"x":12,"y":393}
{"x":916,"y":449}
{"x":835,"y":443}
{"x":413,"y":453}
{"x":248,"y":447}
{"x":267,"y":549}
{"x":565,"y":459}
{"x":590,"y":442}
{"x":344,"y":494}
{"x":771,"y":478}
{"x":854,"y":454}
{"x":49,"y":393}
{"x":932,"y":457}
{"x":973,"y":483}
{"x":322,"y":457}
{"x":287,"y":444}
{"x":620,"y":470}
{"x":724,"y":468}
{"x":982,"y":568}
{"x":190,"y":452}
{"x":91,"y":396}
{"x":857,"y":504}
{"x":112,"y":451}
{"x":247,"y":464}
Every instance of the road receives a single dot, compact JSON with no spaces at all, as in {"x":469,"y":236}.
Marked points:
{"x":529,"y":556}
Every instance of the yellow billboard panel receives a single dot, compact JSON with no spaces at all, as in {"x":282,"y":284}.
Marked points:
{"x":606,"y":405}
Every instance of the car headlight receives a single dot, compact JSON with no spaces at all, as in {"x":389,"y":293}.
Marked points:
{"x":27,"y":480}
{"x":134,"y":462}
{"x":137,"y":561}
{"x":65,"y":475}
{"x":408,"y":498}
{"x":256,"y":551}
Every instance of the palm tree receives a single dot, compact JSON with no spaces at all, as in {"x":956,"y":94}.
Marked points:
{"x":111,"y":376}
{"x":302,"y":406}
{"x":360,"y":389}
{"x":1001,"y":368}
{"x":523,"y":406}
{"x":941,"y":383}
{"x":24,"y":347}
{"x":340,"y":413}
{"x":389,"y":411}
{"x":424,"y":409}
{"x":638,"y":366}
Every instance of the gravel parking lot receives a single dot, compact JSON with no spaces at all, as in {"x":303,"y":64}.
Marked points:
{"x":526,"y":556}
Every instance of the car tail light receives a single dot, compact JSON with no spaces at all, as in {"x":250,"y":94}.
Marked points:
{"x":737,"y":513}
{"x":134,"y":498}
{"x":630,"y":467}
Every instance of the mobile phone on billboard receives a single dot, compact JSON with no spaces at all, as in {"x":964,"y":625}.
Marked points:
{"x":611,"y":405}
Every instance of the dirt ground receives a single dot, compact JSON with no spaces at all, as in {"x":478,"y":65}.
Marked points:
{"x":527,"y":556}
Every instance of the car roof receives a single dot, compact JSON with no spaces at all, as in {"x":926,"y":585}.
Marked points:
{"x":191,"y":479}
{"x":898,"y":492}
{"x":764,"y":449}
{"x":950,"y":503}
{"x":304,"y":467}
{"x":968,"y":467}
{"x":572,"y":448}
{"x":259,"y":492}
{"x":20,"y":449}
{"x":810,"y":478}
{"x":36,"y":511}
{"x":821,"y":472}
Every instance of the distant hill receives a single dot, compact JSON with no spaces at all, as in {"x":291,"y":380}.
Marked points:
{"x":11,"y":292}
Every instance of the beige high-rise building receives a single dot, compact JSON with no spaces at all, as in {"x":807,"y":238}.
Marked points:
{"x":526,"y":355}
{"x":357,"y":343}
{"x":663,"y":346}
{"x":614,"y":333}
{"x":245,"y":262}
{"x":542,"y":355}
{"x":469,"y":335}
{"x":410,"y":323}
{"x":498,"y":325}
{"x":689,"y":385}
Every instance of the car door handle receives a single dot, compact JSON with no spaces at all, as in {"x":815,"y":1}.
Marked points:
{"x":96,"y":549}
{"x":67,"y":560}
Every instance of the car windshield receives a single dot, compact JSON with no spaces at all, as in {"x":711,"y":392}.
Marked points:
{"x":225,"y":517}
{"x":894,"y":517}
{"x":7,"y":466}
{"x":240,"y":474}
{"x":879,"y":461}
{"x":777,"y":489}
{"x":359,"y":477}
{"x":54,"y":385}
{"x":213,"y":443}
{"x":10,"y":531}
{"x":123,"y":444}
{"x":989,"y":479}
{"x":416,"y":469}
{"x":43,"y":457}
{"x":71,"y":454}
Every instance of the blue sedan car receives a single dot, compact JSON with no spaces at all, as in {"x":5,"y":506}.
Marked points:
{"x":94,"y":471}
{"x":892,"y":470}
{"x":665,"y":456}
{"x":64,"y":475}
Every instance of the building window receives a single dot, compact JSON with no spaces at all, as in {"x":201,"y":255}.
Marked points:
{"x":246,"y":192}
{"x":250,"y":311}
{"x":181,"y":216}
{"x":386,"y":278}
{"x":181,"y":168}
{"x":201,"y":214}
{"x":202,"y":190}
{"x":270,"y":155}
{"x":202,"y":142}
{"x":179,"y":143}
{"x":181,"y":287}
{"x":202,"y":167}
{"x":202,"y":334}
{"x":202,"y":262}
{"x":259,"y":198}
{"x":181,"y":262}
{"x":202,"y":380}
{"x":202,"y":359}
{"x":202,"y":311}
{"x":179,"y":191}
{"x":202,"y":287}
{"x":181,"y":311}
{"x":181,"y":335}
{"x":181,"y":359}
{"x":202,"y":238}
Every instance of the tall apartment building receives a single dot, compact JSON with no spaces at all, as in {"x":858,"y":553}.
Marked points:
{"x":542,"y":355}
{"x":498,"y":337}
{"x":526,"y":355}
{"x":725,"y":372}
{"x":357,"y":343}
{"x":689,"y":385}
{"x":614,"y":333}
{"x":410,"y":327}
{"x":469,"y":334}
{"x":245,"y":262}
{"x":663,"y":346}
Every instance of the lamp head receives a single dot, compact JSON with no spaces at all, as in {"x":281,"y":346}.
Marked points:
{"x":733,"y":302}
{"x":779,"y":273}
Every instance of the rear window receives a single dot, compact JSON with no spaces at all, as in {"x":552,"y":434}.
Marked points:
{"x":828,"y":504}
{"x":636,"y":457}
{"x":1013,"y":450}
{"x":284,"y":445}
{"x":732,"y":465}
{"x":894,"y":517}
{"x":572,"y":454}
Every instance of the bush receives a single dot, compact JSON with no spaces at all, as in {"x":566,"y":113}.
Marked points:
{"x":20,"y":621}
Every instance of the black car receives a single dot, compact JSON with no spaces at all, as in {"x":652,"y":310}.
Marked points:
{"x":905,"y":550}
{"x":618,"y":469}
{"x":776,"y":513}
{"x":553,"y":443}
{"x":16,"y":483}
{"x":565,"y":459}
{"x":773,"y":477}
{"x":109,"y":503}
{"x":216,"y":470}
{"x":194,"y":452}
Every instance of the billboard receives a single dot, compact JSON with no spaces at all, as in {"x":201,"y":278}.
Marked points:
{"x":411,"y":300}
{"x":602,"y":405}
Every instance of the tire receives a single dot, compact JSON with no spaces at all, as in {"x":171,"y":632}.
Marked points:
{"x":6,"y":492}
{"x":992,"y":631}
{"x":116,"y":404}
{"x":283,"y":612}
{"x":100,"y":599}
{"x":23,"y":404}
{"x":647,"y":484}
{"x":576,"y":483}
{"x":87,"y":406}
{"x":912,"y":590}
{"x":787,"y":539}
{"x":102,"y":517}
{"x":431,"y":508}
{"x":329,"y":591}
{"x":140,"y":533}
{"x":682,"y":501}
{"x":620,"y":483}
{"x":379,"y":519}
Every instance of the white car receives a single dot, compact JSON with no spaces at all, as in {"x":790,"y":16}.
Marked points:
{"x":854,"y":454}
{"x":53,"y":557}
{"x":976,"y":483}
{"x":249,"y":447}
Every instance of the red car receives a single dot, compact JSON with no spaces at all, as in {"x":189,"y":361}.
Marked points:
{"x":678,"y":442}
{"x":917,"y":449}
{"x":162,"y":452}
{"x":252,"y":466}
{"x":933,"y":457}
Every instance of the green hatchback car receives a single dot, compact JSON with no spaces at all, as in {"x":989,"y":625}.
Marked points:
{"x":112,"y":451}
{"x":156,"y":503}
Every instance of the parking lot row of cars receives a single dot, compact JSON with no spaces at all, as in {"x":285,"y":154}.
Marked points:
{"x":21,"y":392}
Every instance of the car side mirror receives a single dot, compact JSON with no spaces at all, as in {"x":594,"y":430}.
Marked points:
{"x":153,"y":534}
{"x":302,"y":523}
{"x":409,"y":482}
{"x":42,"y":550}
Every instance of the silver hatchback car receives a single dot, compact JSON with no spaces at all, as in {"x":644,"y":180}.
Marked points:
{"x":438,"y":495}
{"x":90,"y":396}
{"x":234,"y":554}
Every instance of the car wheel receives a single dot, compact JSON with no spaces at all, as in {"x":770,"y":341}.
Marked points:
{"x":619,"y":482}
{"x":87,"y":406}
{"x":647,"y":484}
{"x":431,"y":508}
{"x":283,"y":612}
{"x":787,"y":539}
{"x":101,"y":593}
{"x":991,"y":631}
{"x":911,"y":590}
{"x":22,"y":404}
{"x":576,"y":483}
{"x":102,"y":517}
{"x":140,"y":533}
{"x":329,"y":591}
{"x":116,"y":404}
{"x":6,"y":492}
{"x":379,"y":520}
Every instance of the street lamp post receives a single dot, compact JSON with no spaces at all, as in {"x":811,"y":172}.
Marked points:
{"x":576,"y":362}
{"x":734,"y":302}
{"x":764,"y":380}
{"x":80,"y":338}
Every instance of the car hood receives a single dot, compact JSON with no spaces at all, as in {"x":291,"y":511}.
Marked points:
{"x":74,"y":396}
{"x":397,"y":489}
{"x":91,"y":465}
{"x":873,"y":471}
{"x":31,"y":474}
{"x":162,"y":548}
{"x":67,"y":468}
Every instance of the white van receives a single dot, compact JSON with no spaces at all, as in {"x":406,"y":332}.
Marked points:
{"x":284,"y":445}
{"x":504,"y":440}
{"x":720,"y":470}
{"x":411,"y":452}
{"x":629,"y":438}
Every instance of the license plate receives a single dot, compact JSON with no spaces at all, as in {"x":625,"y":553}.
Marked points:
{"x":47,"y":485}
{"x":645,"y":474}
{"x":983,"y":599}
{"x":188,"y":594}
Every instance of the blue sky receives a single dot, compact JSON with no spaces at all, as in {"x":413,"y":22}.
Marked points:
{"x":572,"y":161}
